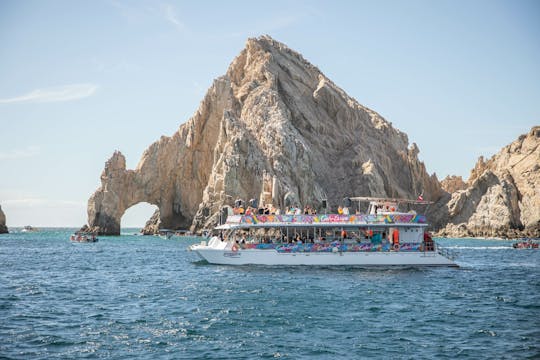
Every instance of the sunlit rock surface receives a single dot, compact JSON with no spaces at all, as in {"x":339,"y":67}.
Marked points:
{"x":502,"y":195}
{"x":3,"y":227}
{"x":272,"y":113}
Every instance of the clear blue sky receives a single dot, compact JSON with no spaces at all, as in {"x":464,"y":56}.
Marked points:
{"x":79,"y":79}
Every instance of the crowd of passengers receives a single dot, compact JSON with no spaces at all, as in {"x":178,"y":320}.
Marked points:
{"x":269,"y":209}
{"x":292,"y":210}
{"x":378,"y":238}
{"x":298,"y":239}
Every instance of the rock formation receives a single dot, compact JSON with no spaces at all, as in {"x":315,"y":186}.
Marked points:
{"x":502,"y":195}
{"x":3,"y":227}
{"x":274,"y":115}
{"x":453,"y":183}
{"x":153,"y":225}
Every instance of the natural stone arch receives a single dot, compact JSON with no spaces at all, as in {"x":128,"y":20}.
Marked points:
{"x":122,"y":189}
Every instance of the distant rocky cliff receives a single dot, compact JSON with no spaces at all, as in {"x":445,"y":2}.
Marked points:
{"x":3,"y":227}
{"x":501,"y":197}
{"x":273,"y":115}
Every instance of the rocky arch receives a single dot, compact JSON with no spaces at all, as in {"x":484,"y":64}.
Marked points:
{"x":172,"y":173}
{"x":122,"y":189}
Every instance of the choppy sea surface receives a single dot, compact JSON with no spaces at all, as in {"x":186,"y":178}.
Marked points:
{"x":146,"y":297}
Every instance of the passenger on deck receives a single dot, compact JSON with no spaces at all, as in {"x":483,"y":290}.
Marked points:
{"x":340,"y":210}
{"x":369,"y":234}
{"x":395,"y":237}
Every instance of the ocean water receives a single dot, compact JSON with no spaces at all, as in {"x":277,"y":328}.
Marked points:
{"x":146,"y":297}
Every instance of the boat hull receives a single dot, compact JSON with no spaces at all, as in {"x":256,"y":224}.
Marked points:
{"x":272,"y":257}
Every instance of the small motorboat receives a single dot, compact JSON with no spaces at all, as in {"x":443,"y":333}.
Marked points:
{"x":165,"y":233}
{"x":526,"y":244}
{"x":29,"y":228}
{"x":83,"y":237}
{"x":183,"y":233}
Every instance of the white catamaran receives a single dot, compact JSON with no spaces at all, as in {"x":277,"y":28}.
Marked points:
{"x":383,"y":236}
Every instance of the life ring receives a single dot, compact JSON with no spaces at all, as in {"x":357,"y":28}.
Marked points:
{"x":234,"y":248}
{"x":396,"y":247}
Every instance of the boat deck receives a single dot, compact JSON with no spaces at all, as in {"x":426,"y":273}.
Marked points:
{"x":330,"y":220}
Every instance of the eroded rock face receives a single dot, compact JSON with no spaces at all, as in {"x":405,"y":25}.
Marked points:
{"x":272,"y":114}
{"x":502,"y":197}
{"x":3,"y":227}
{"x":453,"y":183}
{"x":153,"y":225}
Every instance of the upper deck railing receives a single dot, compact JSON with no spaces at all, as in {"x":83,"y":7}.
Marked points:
{"x":329,"y":219}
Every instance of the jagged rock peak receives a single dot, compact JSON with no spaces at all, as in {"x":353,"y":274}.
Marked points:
{"x":265,"y":61}
{"x":273,"y":124}
{"x":269,"y":45}
{"x":520,"y":149}
{"x":502,"y":196}
{"x":3,"y":227}
{"x":117,"y":162}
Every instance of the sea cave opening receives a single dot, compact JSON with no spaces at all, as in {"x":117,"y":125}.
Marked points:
{"x":136,"y":216}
